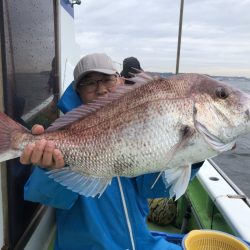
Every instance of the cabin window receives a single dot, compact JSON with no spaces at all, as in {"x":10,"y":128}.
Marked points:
{"x":30,"y":84}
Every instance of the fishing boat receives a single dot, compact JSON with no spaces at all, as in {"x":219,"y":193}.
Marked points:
{"x":37,"y":57}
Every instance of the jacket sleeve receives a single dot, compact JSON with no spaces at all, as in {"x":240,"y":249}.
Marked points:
{"x":40,"y":188}
{"x":145,"y":182}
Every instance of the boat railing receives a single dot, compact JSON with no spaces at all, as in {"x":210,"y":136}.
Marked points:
{"x":241,"y":194}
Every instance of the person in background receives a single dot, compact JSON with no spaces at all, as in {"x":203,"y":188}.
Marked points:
{"x":130,"y":64}
{"x":116,"y":220}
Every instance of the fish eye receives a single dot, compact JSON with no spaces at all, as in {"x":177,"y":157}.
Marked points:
{"x":221,"y":93}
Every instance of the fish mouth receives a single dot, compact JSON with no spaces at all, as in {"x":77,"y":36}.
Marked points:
{"x":213,"y":140}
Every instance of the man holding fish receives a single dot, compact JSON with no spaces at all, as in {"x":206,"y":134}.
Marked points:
{"x":117,"y":218}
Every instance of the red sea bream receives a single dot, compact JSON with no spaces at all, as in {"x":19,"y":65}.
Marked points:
{"x":157,"y":125}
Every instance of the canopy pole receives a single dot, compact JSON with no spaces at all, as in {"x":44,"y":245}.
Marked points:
{"x":179,"y":37}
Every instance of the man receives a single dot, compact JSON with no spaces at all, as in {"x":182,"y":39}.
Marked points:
{"x":130,"y":64}
{"x":117,"y":219}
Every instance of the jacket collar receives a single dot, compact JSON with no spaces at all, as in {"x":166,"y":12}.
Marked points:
{"x":69,"y":100}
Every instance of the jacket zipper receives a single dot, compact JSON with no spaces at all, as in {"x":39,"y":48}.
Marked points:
{"x":126,"y":214}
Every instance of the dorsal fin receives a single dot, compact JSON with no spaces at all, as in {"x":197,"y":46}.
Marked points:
{"x":85,"y":110}
{"x":142,"y":77}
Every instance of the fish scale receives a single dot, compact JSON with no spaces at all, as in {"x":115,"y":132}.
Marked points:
{"x":157,"y":125}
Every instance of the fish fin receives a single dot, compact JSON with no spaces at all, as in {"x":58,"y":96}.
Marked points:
{"x":85,"y":110}
{"x":212,"y":140}
{"x":142,"y":77}
{"x":9,"y":154}
{"x":88,"y":186}
{"x":8,"y":127}
{"x":178,"y":179}
{"x":186,"y":133}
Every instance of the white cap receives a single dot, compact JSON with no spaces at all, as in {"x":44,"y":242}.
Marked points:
{"x":97,"y":62}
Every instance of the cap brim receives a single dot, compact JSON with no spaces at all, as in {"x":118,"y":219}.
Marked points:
{"x":104,"y":71}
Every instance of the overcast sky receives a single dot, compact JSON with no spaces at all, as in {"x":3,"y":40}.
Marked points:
{"x":215,"y":38}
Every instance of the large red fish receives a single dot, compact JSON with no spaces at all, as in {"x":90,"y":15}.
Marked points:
{"x":155,"y":125}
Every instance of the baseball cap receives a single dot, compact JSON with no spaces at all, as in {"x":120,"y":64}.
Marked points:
{"x":97,"y":62}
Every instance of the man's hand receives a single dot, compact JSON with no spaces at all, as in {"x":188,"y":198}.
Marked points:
{"x":43,"y":153}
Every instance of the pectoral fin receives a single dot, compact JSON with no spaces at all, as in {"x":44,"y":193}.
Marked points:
{"x":84,"y":185}
{"x":186,"y":133}
{"x":178,"y":179}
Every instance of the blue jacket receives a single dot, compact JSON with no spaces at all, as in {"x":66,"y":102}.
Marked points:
{"x":114,"y":221}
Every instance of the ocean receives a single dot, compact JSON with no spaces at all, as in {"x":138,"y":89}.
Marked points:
{"x":236,"y":164}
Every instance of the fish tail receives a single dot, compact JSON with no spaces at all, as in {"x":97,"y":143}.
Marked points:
{"x":8,"y":130}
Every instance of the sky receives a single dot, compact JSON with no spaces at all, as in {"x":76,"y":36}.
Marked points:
{"x":215,"y":34}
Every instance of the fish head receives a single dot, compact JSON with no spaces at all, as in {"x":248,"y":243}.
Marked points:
{"x":221,"y":112}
